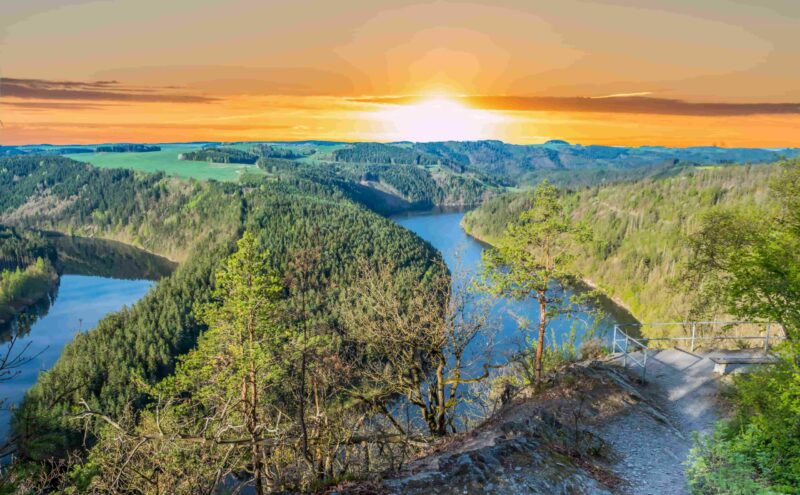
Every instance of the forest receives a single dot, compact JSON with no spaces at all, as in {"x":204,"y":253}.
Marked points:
{"x":219,"y":155}
{"x":287,"y":152}
{"x":276,"y":352}
{"x":640,"y":229}
{"x":27,"y":272}
{"x":388,"y":188}
{"x":112,"y":367}
{"x":717,"y":243}
{"x":125,"y":148}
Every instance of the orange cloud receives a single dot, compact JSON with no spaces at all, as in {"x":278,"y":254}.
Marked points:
{"x":621,"y":103}
{"x":43,"y":89}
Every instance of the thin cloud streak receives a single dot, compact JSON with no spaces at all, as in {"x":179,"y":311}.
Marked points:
{"x":43,"y":89}
{"x":616,"y":104}
{"x":622,"y":95}
{"x":55,"y":105}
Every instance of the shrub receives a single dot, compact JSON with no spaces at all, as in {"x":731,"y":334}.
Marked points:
{"x":758,"y":450}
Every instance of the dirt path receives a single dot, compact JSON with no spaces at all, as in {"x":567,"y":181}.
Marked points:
{"x":684,"y":388}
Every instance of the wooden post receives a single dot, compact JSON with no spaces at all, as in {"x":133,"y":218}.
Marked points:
{"x":694,"y":325}
{"x":766,"y":339}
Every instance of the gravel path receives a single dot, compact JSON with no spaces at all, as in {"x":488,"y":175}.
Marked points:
{"x":654,"y":443}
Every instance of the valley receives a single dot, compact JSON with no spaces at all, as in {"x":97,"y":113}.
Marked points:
{"x":329,"y":218}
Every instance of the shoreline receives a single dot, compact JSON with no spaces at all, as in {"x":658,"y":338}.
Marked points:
{"x":15,"y":307}
{"x":620,"y":305}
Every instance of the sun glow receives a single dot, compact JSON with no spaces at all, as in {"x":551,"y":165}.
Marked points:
{"x":436,"y":119}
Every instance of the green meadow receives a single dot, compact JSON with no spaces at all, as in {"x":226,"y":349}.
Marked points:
{"x":167,"y":161}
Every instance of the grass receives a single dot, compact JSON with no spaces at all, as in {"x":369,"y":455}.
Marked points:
{"x":167,"y":161}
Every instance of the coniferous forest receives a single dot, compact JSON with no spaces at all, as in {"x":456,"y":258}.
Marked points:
{"x":399,"y":247}
{"x":276,"y":353}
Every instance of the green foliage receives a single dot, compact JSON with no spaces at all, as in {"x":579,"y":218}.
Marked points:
{"x":219,"y":155}
{"x":22,"y":287}
{"x":575,"y":165}
{"x":20,"y":248}
{"x":384,"y":153}
{"x":106,"y":365}
{"x":285,"y":152}
{"x":27,"y":270}
{"x":386,"y":188}
{"x":639,"y":247}
{"x":112,"y":365}
{"x":720,"y":465}
{"x":758,"y":450}
{"x":268,"y":372}
{"x":748,"y":263}
{"x":535,"y":249}
{"x":749,"y":266}
{"x":534,"y":258}
{"x":126,"y":148}
{"x":157,"y":213}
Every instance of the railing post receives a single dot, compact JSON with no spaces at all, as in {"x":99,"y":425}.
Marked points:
{"x":614,"y":340}
{"x":644,"y":365}
{"x":766,"y":339}
{"x":625,"y":355}
{"x":694,"y":329}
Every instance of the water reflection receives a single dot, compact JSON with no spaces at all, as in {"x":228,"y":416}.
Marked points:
{"x":515,"y":321}
{"x":97,"y":277}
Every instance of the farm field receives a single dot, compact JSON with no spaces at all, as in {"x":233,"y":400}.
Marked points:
{"x":167,"y":161}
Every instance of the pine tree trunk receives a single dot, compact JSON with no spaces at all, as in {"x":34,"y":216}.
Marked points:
{"x":542,"y":328}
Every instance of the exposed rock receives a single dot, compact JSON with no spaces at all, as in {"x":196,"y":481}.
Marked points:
{"x":540,"y":444}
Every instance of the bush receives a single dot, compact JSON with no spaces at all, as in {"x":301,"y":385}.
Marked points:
{"x":717,"y":465}
{"x":758,"y":450}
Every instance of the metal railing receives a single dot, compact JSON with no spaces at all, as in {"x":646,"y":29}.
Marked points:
{"x":626,"y":345}
{"x":622,"y":342}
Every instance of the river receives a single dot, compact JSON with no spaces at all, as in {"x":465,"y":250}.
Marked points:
{"x":462,"y":253}
{"x":97,"y":277}
{"x":100,"y":277}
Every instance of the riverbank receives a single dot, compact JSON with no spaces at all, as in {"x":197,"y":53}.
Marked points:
{"x":590,"y":428}
{"x":23,"y":288}
{"x":622,"y":311}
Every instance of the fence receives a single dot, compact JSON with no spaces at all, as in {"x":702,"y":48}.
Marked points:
{"x":635,"y":349}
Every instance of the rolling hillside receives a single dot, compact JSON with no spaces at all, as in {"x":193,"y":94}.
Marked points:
{"x":640,"y":229}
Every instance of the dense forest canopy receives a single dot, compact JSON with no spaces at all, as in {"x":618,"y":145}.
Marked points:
{"x":160,"y":214}
{"x":165,"y":371}
{"x":27,"y":270}
{"x":640,"y":229}
{"x":417,"y":175}
{"x":201,"y":221}
{"x":125,"y":148}
{"x":19,"y":248}
{"x":219,"y":155}
{"x":287,"y":152}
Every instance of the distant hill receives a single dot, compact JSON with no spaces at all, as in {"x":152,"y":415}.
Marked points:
{"x":421,"y":175}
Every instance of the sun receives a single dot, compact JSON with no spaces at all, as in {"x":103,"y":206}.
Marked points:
{"x":435,"y":119}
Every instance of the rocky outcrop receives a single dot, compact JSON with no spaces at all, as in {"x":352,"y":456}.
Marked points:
{"x":533,"y":456}
{"x":541,"y":443}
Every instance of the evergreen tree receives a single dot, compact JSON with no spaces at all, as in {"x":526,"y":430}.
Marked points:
{"x":533,"y":259}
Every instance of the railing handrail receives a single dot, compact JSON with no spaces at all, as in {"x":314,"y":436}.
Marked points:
{"x":626,"y":339}
{"x":667,"y":323}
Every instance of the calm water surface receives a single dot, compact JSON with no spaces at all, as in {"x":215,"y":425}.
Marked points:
{"x":462,"y":254}
{"x":80,"y":302}
{"x":97,"y":277}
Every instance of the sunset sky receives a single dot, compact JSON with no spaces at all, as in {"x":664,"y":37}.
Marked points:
{"x":623,"y":72}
